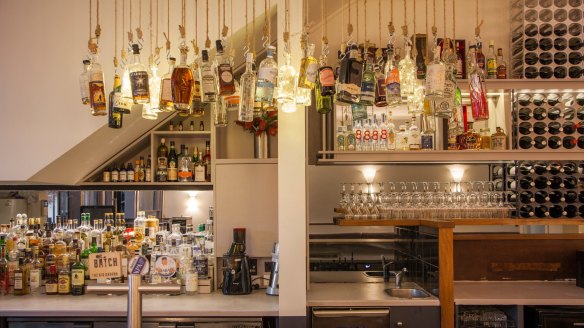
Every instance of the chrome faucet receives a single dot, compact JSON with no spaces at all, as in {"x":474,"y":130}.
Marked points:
{"x":398,"y":277}
{"x":385,"y":267}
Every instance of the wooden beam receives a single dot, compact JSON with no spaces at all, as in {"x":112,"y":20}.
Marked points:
{"x":446,"y":276}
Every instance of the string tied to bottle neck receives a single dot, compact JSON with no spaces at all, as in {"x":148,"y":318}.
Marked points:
{"x":123,"y":53}
{"x":116,"y":63}
{"x":225,"y":30}
{"x":195,"y":41}
{"x":167,"y":33}
{"x":434,"y":28}
{"x":379,"y":52}
{"x":92,"y":42}
{"x":407,"y":42}
{"x":246,"y":47}
{"x":286,"y":33}
{"x":130,"y":32}
{"x":479,"y":23}
{"x":266,"y":28}
{"x":305,"y":27}
{"x":349,"y":28}
{"x":139,"y":33}
{"x":324,"y":39}
{"x":157,"y":48}
{"x":182,"y":29}
{"x":208,"y":40}
{"x":391,"y":27}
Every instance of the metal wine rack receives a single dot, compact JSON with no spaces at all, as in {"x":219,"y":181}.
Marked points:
{"x":547,"y":39}
{"x":548,"y":121}
{"x":550,"y":189}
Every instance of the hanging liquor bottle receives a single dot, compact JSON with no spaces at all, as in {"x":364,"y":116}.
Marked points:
{"x":84,"y":82}
{"x":247,"y":84}
{"x":139,"y":79}
{"x":478,"y":97}
{"x":407,"y":75}
{"x":225,"y":79}
{"x":267,"y":75}
{"x":115,"y":114}
{"x":207,"y":78}
{"x":392,"y":79}
{"x":126,"y":92}
{"x":380,"y":98}
{"x":350,"y":78}
{"x":154,"y":84}
{"x":368,"y":84}
{"x":165,"y":98}
{"x":286,"y":82}
{"x":436,"y":75}
{"x":324,"y":103}
{"x":326,"y":80}
{"x":308,"y":69}
{"x":444,"y":104}
{"x":97,"y":88}
{"x":182,"y":82}
{"x":197,"y":105}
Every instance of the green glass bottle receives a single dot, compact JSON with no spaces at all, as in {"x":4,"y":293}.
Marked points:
{"x":78,"y":276}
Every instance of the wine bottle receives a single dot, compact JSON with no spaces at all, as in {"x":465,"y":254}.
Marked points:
{"x":525,"y":128}
{"x":581,"y":142}
{"x":540,"y":128}
{"x":525,"y":114}
{"x":556,"y":182}
{"x":526,"y":182}
{"x":539,"y":113}
{"x":556,"y":197}
{"x":540,"y":142}
{"x":526,"y":168}
{"x":569,"y":142}
{"x":570,"y":211}
{"x":526,"y":197}
{"x":571,"y":197}
{"x":560,"y":58}
{"x":554,"y":113}
{"x":555,"y":168}
{"x":545,"y":58}
{"x":542,"y":211}
{"x":570,"y":182}
{"x":569,"y":127}
{"x":556,"y":211}
{"x":570,"y":168}
{"x":560,"y":44}
{"x":540,"y":168}
{"x":541,"y":197}
{"x":555,"y":142}
{"x":541,"y":182}
{"x":555,"y":128}
{"x":546,"y":72}
{"x":526,"y":211}
{"x":525,"y":142}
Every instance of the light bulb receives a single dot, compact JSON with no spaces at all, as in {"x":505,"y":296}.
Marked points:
{"x":289,"y":107}
{"x":154,"y":85}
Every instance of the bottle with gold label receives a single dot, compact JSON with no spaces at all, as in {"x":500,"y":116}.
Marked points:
{"x":97,"y":95}
{"x":485,"y":138}
{"x":166,"y":104}
{"x":469,"y":140}
{"x":172,"y":164}
{"x":499,"y":140}
{"x":308,"y":69}
{"x":64,"y":284}
{"x":139,"y":79}
{"x":21,"y":278}
{"x":182,"y":82}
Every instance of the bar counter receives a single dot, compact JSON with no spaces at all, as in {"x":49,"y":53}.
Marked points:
{"x":257,"y":304}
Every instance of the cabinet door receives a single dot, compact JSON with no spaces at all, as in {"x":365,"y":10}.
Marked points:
{"x":563,"y":320}
{"x":414,"y":317}
{"x":246,"y":196}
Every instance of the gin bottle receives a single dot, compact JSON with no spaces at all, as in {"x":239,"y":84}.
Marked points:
{"x":392,"y":80}
{"x":358,"y":136}
{"x":286,"y":81}
{"x":407,"y":75}
{"x":308,"y":69}
{"x":368,"y":84}
{"x":267,"y":75}
{"x":207,"y":78}
{"x":374,"y":134}
{"x":224,"y":71}
{"x":383,"y":134}
{"x":165,"y":103}
{"x":84,"y":82}
{"x":182,"y":82}
{"x":414,"y":139}
{"x":401,"y":141}
{"x":247,"y":84}
{"x":436,"y":75}
{"x":97,"y":88}
{"x":380,"y":97}
{"x":139,"y":79}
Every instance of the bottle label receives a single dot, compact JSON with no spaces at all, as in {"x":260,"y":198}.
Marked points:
{"x":202,"y":267}
{"x":435,"y":78}
{"x":197,"y":91}
{"x":192,"y":282}
{"x":121,"y":103}
{"x":51,"y":288}
{"x":264,"y":91}
{"x":392,"y":83}
{"x":97,"y":94}
{"x":139,"y":82}
{"x":359,"y":112}
{"x":311,"y":71}
{"x":35,"y":278}
{"x":498,"y":143}
{"x":383,"y":134}
{"x":185,"y":174}
{"x":375,"y":135}
{"x":341,"y":142}
{"x":326,"y":77}
{"x":123,"y":176}
{"x":368,"y":89}
{"x":78,"y":277}
{"x":225,"y":73}
{"x":427,"y":142}
{"x":18,"y":280}
{"x":199,"y":173}
{"x":64,"y":284}
{"x":367,"y":136}
{"x":351,"y":89}
{"x":492,"y":67}
{"x":380,"y":90}
{"x":351,"y":141}
{"x":166,"y":91}
{"x":268,"y":74}
{"x":208,"y":81}
{"x":358,"y":135}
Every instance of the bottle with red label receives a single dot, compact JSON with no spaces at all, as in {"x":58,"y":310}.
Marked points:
{"x":382,"y":146}
{"x":358,"y":136}
{"x":366,"y":136}
{"x":326,"y":81}
{"x":374,"y":134}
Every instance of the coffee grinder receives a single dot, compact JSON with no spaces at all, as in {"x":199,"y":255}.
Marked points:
{"x":274,"y":274}
{"x":236,"y":273}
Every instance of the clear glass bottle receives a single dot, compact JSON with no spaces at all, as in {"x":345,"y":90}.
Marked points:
{"x":247,"y":85}
{"x":414,"y":138}
{"x":444,"y":104}
{"x":368,"y":84}
{"x":382,"y":146}
{"x":478,"y":96}
{"x":308,"y":69}
{"x":392,"y":80}
{"x":139,"y":227}
{"x":491,"y":61}
{"x":97,"y":96}
{"x":175,"y":236}
{"x":208,"y":79}
{"x":499,"y":140}
{"x":84,"y":82}
{"x":351,"y":139}
{"x":182,"y":82}
{"x":286,"y":82}
{"x":407,"y":75}
{"x":184,"y":165}
{"x":139,"y":79}
{"x":391,"y":133}
{"x":435,"y":76}
{"x":267,"y":75}
{"x":401,"y":141}
{"x":154,"y":84}
{"x":226,"y":82}
{"x":350,"y":78}
{"x":427,"y":136}
{"x":166,"y":104}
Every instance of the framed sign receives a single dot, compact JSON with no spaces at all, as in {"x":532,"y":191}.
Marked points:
{"x":105,"y":265}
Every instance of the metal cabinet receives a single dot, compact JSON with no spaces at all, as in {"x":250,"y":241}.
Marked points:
{"x":414,"y":317}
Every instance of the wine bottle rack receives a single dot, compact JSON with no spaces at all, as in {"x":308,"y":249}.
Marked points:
{"x":549,"y":189}
{"x":549,"y":121}
{"x":547,"y":39}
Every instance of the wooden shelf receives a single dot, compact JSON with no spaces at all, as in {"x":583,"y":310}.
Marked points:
{"x":147,"y":185}
{"x":182,"y":133}
{"x":393,"y":223}
{"x":443,"y":156}
{"x":459,"y":222}
{"x":247,"y":161}
{"x":519,"y":84}
{"x":517,"y":236}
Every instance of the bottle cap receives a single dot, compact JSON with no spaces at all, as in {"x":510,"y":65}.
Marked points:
{"x":136,"y":49}
{"x":249,"y":57}
{"x":219,"y":45}
{"x":171,"y":59}
{"x":162,"y":140}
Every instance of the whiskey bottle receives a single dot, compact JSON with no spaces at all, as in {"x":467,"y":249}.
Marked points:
{"x":197,"y":106}
{"x":247,"y":84}
{"x":350,"y":78}
{"x":501,"y":65}
{"x":78,"y":275}
{"x":123,"y":173}
{"x":436,"y":76}
{"x":414,"y":138}
{"x":308,"y":69}
{"x":130,"y":173}
{"x":64,"y":285}
{"x":491,"y":61}
{"x":478,"y":97}
{"x":172,"y":164}
{"x":286,"y":81}
{"x":182,"y":85}
{"x":21,"y":279}
{"x":368,"y":84}
{"x":499,"y":140}
{"x":469,"y":140}
{"x":97,"y":88}
{"x":166,"y":104}
{"x":224,"y":71}
{"x":141,"y":171}
{"x":148,"y":169}
{"x":84,"y":82}
{"x":207,"y":78}
{"x":267,"y":75}
{"x":115,"y":114}
{"x":392,"y":80}
{"x":139,"y":79}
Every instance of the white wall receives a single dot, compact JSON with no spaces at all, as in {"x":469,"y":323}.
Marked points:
{"x":43,"y":44}
{"x":179,"y":204}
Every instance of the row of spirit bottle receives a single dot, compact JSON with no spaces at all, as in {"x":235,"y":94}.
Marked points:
{"x":183,"y":167}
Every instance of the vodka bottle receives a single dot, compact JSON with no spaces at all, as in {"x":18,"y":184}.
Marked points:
{"x":392,"y":80}
{"x":267,"y":75}
{"x":374,"y":134}
{"x":286,"y":81}
{"x":435,"y":76}
{"x":382,"y":134}
{"x":358,"y":136}
{"x":391,"y":133}
{"x":247,"y":84}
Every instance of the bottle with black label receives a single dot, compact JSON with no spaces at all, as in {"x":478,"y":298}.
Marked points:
{"x":78,"y":276}
{"x":172,"y":164}
{"x":224,"y":71}
{"x":139,"y":79}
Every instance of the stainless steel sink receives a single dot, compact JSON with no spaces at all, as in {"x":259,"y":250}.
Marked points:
{"x":407,"y":293}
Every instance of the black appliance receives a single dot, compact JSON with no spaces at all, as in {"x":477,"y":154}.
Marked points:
{"x":334,"y":317}
{"x":236,"y":273}
{"x":554,"y":316}
{"x":580,"y":269}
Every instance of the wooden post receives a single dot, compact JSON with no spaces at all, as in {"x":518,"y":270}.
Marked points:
{"x":446,"y":276}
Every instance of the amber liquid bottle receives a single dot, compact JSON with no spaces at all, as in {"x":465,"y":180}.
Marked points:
{"x":224,"y":71}
{"x":182,"y":85}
